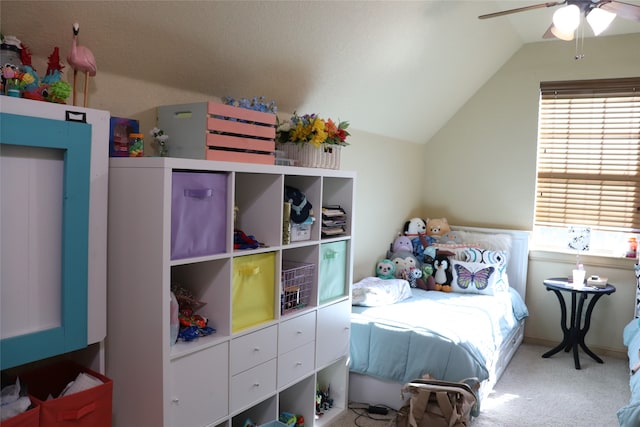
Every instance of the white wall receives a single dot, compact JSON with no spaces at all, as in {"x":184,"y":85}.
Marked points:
{"x":482,"y":170}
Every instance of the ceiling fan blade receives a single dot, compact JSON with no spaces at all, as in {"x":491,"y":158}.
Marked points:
{"x":623,"y":10}
{"x":520,"y":9}
{"x":549,"y":34}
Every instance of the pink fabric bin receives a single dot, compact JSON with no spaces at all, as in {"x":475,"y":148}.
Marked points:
{"x":198,"y":214}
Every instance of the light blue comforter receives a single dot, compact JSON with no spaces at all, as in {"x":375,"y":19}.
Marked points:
{"x":451,"y":336}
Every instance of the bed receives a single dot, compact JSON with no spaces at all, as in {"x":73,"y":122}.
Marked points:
{"x":450,"y":336}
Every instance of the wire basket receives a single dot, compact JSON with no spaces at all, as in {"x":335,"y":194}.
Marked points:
{"x":297,"y":281}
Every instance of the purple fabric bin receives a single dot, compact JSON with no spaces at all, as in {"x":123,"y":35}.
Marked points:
{"x":198,"y":214}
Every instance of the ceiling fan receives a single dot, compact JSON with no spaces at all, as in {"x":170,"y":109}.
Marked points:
{"x":598,"y":13}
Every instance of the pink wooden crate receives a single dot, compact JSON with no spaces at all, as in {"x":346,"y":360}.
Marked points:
{"x":238,"y":156}
{"x":215,"y":131}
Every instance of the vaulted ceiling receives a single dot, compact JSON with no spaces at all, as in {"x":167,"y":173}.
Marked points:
{"x":394,"y":68}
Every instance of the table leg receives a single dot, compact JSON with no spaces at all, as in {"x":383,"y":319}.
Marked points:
{"x":566,"y":338}
{"x":575,"y":325}
{"x":587,"y":325}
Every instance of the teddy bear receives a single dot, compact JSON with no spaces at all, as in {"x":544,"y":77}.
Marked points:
{"x":385,"y":269}
{"x":437,"y":227}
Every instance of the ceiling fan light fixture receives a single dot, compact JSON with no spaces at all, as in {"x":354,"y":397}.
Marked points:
{"x":567,"y":19}
{"x":600,"y":19}
{"x":562,"y":35}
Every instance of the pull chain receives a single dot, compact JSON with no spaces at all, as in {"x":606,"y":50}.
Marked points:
{"x":580,"y":42}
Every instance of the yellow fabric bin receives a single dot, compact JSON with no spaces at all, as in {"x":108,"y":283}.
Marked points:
{"x":333,"y":271}
{"x":253,"y":290}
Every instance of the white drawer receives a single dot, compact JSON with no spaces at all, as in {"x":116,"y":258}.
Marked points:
{"x":253,"y":385}
{"x":254,"y":348}
{"x":296,"y":332}
{"x":296,"y":364}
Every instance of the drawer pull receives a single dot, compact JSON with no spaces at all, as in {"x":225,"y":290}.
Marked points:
{"x":256,"y":385}
{"x":298,"y":363}
{"x":256,"y":349}
{"x":175,"y":400}
{"x":299,"y":332}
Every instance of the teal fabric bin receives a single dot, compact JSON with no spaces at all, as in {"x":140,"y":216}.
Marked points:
{"x":333,"y":271}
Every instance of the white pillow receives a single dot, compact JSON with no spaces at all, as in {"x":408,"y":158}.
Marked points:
{"x":473,"y":277}
{"x":374,"y":291}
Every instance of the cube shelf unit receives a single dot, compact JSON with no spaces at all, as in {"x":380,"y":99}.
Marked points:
{"x":262,"y":360}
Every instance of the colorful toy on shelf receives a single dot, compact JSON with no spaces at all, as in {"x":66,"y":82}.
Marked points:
{"x":192,"y":325}
{"x":324,"y":402}
{"x":81,"y":59}
{"x":24,"y":80}
{"x":288,"y":418}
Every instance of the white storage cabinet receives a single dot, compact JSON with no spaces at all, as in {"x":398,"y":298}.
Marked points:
{"x":263,"y":359}
{"x":52,"y":301}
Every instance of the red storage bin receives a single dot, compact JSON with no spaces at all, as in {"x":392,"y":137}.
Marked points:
{"x":88,"y":408}
{"x":30,"y":418}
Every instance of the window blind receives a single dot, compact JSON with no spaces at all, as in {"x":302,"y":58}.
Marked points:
{"x":589,"y":154}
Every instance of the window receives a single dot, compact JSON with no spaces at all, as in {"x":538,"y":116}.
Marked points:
{"x":589,"y":158}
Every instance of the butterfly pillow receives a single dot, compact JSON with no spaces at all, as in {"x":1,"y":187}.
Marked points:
{"x":473,"y":277}
{"x":496,"y":258}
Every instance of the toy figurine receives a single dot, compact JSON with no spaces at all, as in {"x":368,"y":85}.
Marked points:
{"x":82,"y":59}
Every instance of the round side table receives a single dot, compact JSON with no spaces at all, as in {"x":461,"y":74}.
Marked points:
{"x":572,"y":329}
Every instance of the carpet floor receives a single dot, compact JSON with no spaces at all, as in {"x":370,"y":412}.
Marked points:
{"x":540,"y":392}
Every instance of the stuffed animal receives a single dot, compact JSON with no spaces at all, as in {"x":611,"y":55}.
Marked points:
{"x":449,"y":237}
{"x":437,"y":227}
{"x":415,"y":229}
{"x":403,"y":260}
{"x":427,"y":277}
{"x":414,"y":276}
{"x":415,"y":226}
{"x":442,"y":274}
{"x":401,"y":243}
{"x":385,"y":269}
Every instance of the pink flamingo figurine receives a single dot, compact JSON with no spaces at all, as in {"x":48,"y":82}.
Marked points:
{"x":81,"y":58}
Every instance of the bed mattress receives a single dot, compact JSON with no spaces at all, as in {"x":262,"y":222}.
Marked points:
{"x":450,"y":336}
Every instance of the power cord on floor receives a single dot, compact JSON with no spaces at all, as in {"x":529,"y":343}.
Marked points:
{"x":372,"y":412}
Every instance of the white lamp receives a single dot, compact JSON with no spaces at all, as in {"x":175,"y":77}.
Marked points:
{"x":599,"y":20}
{"x":561,"y":35}
{"x":566,"y":19}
